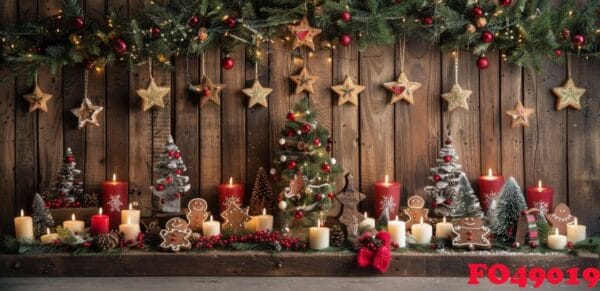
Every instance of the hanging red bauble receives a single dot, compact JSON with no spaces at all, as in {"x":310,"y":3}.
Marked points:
{"x":345,"y":39}
{"x":306,"y":128}
{"x":578,"y":40}
{"x":79,"y":22}
{"x":437,"y":178}
{"x":160,"y":187}
{"x":177,"y":155}
{"x":70,"y":159}
{"x":427,"y":20}
{"x":227,"y":63}
{"x":506,"y":3}
{"x":120,"y":46}
{"x":346,"y":16}
{"x":483,"y":62}
{"x":298,"y":214}
{"x":326,"y":168}
{"x":155,"y":32}
{"x":291,"y":133}
{"x":231,"y":22}
{"x":319,"y":197}
{"x":558,"y":52}
{"x":194,"y":20}
{"x":487,"y":37}
{"x":291,"y":164}
{"x":291,"y":116}
{"x":317,"y":142}
{"x":170,"y":153}
{"x":447,"y":159}
{"x":477,"y":12}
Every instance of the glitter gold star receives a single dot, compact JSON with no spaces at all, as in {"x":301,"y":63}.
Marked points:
{"x":153,"y":95}
{"x":568,"y":95}
{"x":457,"y":98}
{"x":257,"y":94}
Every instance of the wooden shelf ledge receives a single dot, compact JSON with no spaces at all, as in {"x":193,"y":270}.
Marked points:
{"x":252,"y":263}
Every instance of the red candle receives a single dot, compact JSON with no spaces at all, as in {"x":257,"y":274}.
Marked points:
{"x":387,"y":195}
{"x":540,"y":197}
{"x":230,"y":193}
{"x":99,"y":223}
{"x":489,"y":189}
{"x":115,"y":197}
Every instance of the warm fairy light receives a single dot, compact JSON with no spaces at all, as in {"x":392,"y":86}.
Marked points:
{"x":22,"y":212}
{"x":329,"y":59}
{"x":310,"y":54}
{"x":73,"y":216}
{"x":100,"y":210}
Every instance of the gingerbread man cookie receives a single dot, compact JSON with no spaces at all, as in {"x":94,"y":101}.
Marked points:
{"x":471,"y":233}
{"x":415,"y":211}
{"x":560,"y":218}
{"x":197,"y":214}
{"x":176,"y":236}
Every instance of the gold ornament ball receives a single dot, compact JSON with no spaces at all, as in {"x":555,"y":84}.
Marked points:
{"x":471,"y":28}
{"x":75,"y":39}
{"x":481,"y":22}
{"x":202,"y":34}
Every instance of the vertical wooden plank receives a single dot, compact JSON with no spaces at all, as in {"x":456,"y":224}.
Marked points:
{"x":233,"y":119}
{"x":72,"y":91}
{"x":512,"y":138}
{"x":320,"y":64}
{"x":376,"y":120}
{"x":161,"y":123}
{"x":417,"y":135}
{"x":279,"y":104}
{"x":583,"y":149}
{"x":489,"y":115}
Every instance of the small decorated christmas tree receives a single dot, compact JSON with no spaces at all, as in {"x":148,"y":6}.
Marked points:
{"x":171,"y":185}
{"x":510,"y":205}
{"x":67,"y":190}
{"x":42,"y":218}
{"x":467,"y":204}
{"x":262,"y":195}
{"x":304,"y":169}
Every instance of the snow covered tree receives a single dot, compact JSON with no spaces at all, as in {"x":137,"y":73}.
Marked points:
{"x":492,"y":212}
{"x":42,"y":218}
{"x":467,"y":204}
{"x":67,"y":190}
{"x":510,"y":204}
{"x":171,"y":185}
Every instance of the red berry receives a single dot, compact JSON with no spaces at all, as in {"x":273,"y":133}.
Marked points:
{"x":578,"y":40}
{"x":155,"y":32}
{"x":77,"y":204}
{"x":345,"y":39}
{"x":447,"y":159}
{"x":483,"y":62}
{"x":487,"y":37}
{"x":427,"y":21}
{"x":558,"y":52}
{"x":79,"y":22}
{"x":178,"y":195}
{"x":506,"y":3}
{"x":570,"y":245}
{"x":206,"y":92}
{"x":70,"y":159}
{"x":194,"y":20}
{"x":231,"y":22}
{"x":87,"y":244}
{"x":306,"y":128}
{"x":291,"y":116}
{"x":326,"y":168}
{"x":533,"y":245}
{"x":227,"y":63}
{"x":291,"y":164}
{"x":477,"y":12}
{"x":397,"y":1}
{"x":330,"y":195}
{"x":316,"y":142}
{"x":120,"y":46}
{"x":160,"y":187}
{"x":346,"y":16}
{"x":437,"y":178}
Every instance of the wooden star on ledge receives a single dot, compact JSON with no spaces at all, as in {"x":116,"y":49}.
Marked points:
{"x":37,"y":99}
{"x":87,"y":113}
{"x":303,"y":34}
{"x":348,"y":91}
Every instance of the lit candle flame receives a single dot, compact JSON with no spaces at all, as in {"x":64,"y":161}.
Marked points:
{"x":22,"y":212}
{"x":230,"y":181}
{"x":444,"y":219}
{"x":211,"y":219}
{"x":114,"y":177}
{"x":130,"y":206}
{"x":47,"y":230}
{"x":387,"y":179}
{"x":575,"y":221}
{"x":490,"y":172}
{"x":556,"y":231}
{"x":396,"y":217}
{"x":539,"y":183}
{"x":264,"y":211}
{"x":73,"y":216}
{"x":366,"y":215}
{"x":318,"y":222}
{"x":100,"y":210}
{"x":421,"y":220}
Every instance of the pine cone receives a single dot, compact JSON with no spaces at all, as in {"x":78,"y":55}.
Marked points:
{"x":90,"y":200}
{"x":337,"y":238}
{"x":107,"y":241}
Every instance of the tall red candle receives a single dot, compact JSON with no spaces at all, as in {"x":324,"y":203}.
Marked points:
{"x":540,"y":197}
{"x":99,"y":223}
{"x":231,"y":192}
{"x":115,"y":197}
{"x":489,"y":189}
{"x":387,"y":195}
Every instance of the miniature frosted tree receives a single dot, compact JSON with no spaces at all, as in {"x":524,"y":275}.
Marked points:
{"x":510,"y":204}
{"x":467,"y":204}
{"x":171,"y":185}
{"x":67,"y":190}
{"x":42,"y":218}
{"x":492,"y":212}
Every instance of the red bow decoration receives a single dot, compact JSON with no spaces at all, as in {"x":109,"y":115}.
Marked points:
{"x":374,"y":251}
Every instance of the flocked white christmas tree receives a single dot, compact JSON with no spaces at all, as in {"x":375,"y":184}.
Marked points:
{"x":171,"y":185}
{"x":67,"y":191}
{"x":467,"y":204}
{"x":506,"y":214}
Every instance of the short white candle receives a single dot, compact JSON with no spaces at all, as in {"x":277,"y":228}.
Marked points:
{"x":443,"y":229}
{"x":367,"y":223}
{"x":422,"y":232}
{"x":129,"y":230}
{"x":318,"y":237}
{"x":23,"y":226}
{"x":49,"y":237}
{"x":557,"y":241}
{"x":211,"y":228}
{"x":264,"y":221}
{"x":75,"y":226}
{"x":134,"y":214}
{"x":575,"y":232}
{"x":397,"y":230}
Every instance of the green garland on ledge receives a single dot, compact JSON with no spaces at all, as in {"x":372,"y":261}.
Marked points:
{"x":525,"y":31}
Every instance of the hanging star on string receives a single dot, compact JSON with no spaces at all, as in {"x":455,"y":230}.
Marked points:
{"x":257,"y":94}
{"x":304,"y":81}
{"x":568,"y":95}
{"x":519,"y":115}
{"x":303,"y":34}
{"x":457,"y":98}
{"x":348,"y":91}
{"x":87,"y":113}
{"x":153,"y":95}
{"x":37,"y":99}
{"x":402,"y":89}
{"x":210,"y":91}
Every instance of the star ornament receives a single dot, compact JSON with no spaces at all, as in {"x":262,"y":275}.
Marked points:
{"x":210,"y":91}
{"x":348,"y":91}
{"x":304,"y":81}
{"x":153,"y":95}
{"x":257,"y":94}
{"x":519,"y":115}
{"x":87,"y":113}
{"x":303,"y":34}
{"x":37,"y":99}
{"x":402,"y":89}
{"x":457,"y":98}
{"x":568,"y":95}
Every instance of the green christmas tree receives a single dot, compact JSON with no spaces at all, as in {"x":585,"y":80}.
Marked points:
{"x":67,"y":190}
{"x":304,"y":169}
{"x":42,"y":218}
{"x":467,"y":204}
{"x":172,"y":184}
{"x":510,"y":204}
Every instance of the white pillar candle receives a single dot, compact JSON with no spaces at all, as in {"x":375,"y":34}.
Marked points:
{"x":397,"y":230}
{"x":575,"y":232}
{"x":318,"y":237}
{"x":23,"y":226}
{"x":250,"y":225}
{"x":134,"y":214}
{"x":557,"y":241}
{"x":129,"y":230}
{"x":264,"y":221}
{"x":443,"y":229}
{"x":76,"y":226}
{"x":422,"y":232}
{"x":367,"y":223}
{"x":49,"y":237}
{"x":211,"y":228}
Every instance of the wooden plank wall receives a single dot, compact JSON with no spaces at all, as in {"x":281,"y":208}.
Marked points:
{"x":372,"y":139}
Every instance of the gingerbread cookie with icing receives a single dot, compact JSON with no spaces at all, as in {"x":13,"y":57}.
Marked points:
{"x":176,"y":236}
{"x":415,"y":211}
{"x":470,"y":232}
{"x":560,"y":218}
{"x":197,"y":214}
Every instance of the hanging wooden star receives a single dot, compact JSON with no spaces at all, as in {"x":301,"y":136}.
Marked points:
{"x":303,"y":34}
{"x":210,"y":91}
{"x":257,"y":94}
{"x":153,"y":95}
{"x":235,"y":217}
{"x":519,"y":115}
{"x":457,"y":98}
{"x":37,"y":99}
{"x":568,"y":95}
{"x":304,"y":81}
{"x":348,"y":91}
{"x":87,"y":113}
{"x":402,"y":89}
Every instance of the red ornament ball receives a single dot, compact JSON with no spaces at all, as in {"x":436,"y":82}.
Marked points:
{"x":533,"y":245}
{"x":447,"y":159}
{"x":487,"y":37}
{"x":306,"y":128}
{"x":298,"y":214}
{"x":227,"y":63}
{"x":331,"y":195}
{"x":578,"y":40}
{"x":570,"y":245}
{"x":506,"y":3}
{"x":319,"y":197}
{"x":206,"y":92}
{"x":231,"y":22}
{"x":345,"y":39}
{"x":291,"y":164}
{"x":346,"y":16}
{"x":79,"y":22}
{"x":558,"y":52}
{"x":427,"y":20}
{"x":316,"y":142}
{"x":483,"y":62}
{"x":477,"y":12}
{"x":291,"y":116}
{"x":566,"y":33}
{"x":169,"y":180}
{"x":437,"y":178}
{"x":120,"y":46}
{"x":178,"y":171}
{"x":177,"y":155}
{"x":291,"y":133}
{"x":326,"y":168}
{"x":155,"y":32}
{"x":178,"y":195}
{"x":160,"y":187}
{"x":448,"y":142}
{"x":194,"y":20}
{"x":70,"y":159}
